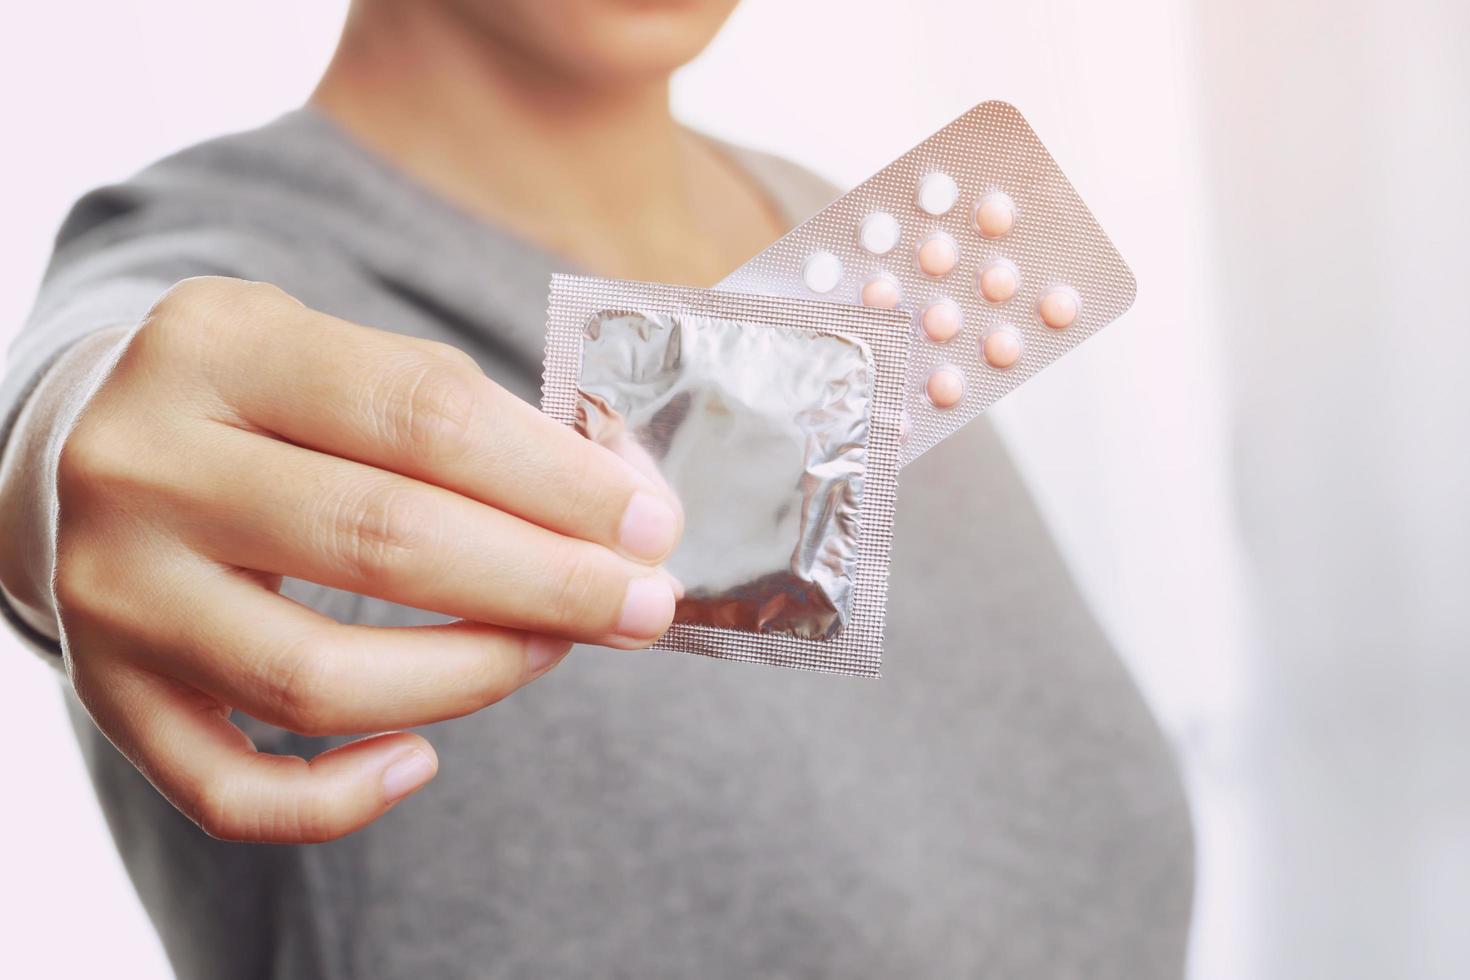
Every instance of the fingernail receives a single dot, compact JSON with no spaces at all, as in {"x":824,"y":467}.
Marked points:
{"x":543,"y":653}
{"x":407,"y":774}
{"x":649,"y":527}
{"x":647,"y":608}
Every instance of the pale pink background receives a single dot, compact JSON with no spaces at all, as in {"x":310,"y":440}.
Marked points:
{"x":1152,"y":107}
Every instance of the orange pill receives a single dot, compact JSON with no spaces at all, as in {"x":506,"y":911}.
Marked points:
{"x":937,"y":256}
{"x":998,"y":280}
{"x":1001,"y":347}
{"x":945,"y":387}
{"x":995,"y":214}
{"x":880,"y":292}
{"x":941,"y":320}
{"x":1058,"y":308}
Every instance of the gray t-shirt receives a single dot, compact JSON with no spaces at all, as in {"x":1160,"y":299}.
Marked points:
{"x":1000,"y":804}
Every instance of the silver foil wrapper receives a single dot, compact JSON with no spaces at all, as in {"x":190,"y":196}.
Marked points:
{"x":776,"y":423}
{"x":761,"y":432}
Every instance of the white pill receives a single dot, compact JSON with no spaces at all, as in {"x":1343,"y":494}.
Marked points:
{"x":822,"y":272}
{"x":937,"y":193}
{"x":879,"y":233}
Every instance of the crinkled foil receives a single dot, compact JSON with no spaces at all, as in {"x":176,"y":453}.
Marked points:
{"x":776,"y":422}
{"x":761,"y":432}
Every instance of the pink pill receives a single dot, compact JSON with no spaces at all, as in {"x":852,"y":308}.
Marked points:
{"x":1001,"y":347}
{"x":998,"y":281}
{"x":995,"y":214}
{"x":880,"y":292}
{"x":937,"y":256}
{"x":941,"y":320}
{"x":1058,"y":308}
{"x":945,"y":387}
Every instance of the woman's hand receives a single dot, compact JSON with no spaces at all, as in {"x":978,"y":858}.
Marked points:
{"x":241,"y":437}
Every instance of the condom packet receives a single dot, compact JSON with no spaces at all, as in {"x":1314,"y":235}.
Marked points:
{"x":776,"y":424}
{"x":979,"y":238}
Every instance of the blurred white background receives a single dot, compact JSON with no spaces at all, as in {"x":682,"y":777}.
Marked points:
{"x":1260,"y":475}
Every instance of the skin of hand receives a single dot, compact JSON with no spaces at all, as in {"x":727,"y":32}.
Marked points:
{"x":239,"y":437}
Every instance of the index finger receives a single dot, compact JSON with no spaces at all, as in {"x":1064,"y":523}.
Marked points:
{"x":426,"y":411}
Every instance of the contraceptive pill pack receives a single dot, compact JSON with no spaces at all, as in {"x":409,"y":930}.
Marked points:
{"x":779,"y":406}
{"x":980,"y":238}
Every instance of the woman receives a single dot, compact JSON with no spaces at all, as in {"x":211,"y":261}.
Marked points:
{"x":183,"y":453}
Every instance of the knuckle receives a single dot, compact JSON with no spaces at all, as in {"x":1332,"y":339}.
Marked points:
{"x":430,"y":410}
{"x":96,"y":600}
{"x":99,"y":458}
{"x":252,"y":301}
{"x":578,"y":596}
{"x":299,"y":688}
{"x":190,"y":296}
{"x":591,"y":492}
{"x":186,"y":304}
{"x":203,"y":306}
{"x":75,"y":581}
{"x":88,"y":456}
{"x":453,"y":354}
{"x":377,"y":531}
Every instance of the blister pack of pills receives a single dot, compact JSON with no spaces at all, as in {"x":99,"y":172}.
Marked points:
{"x":974,"y":234}
{"x":776,"y":423}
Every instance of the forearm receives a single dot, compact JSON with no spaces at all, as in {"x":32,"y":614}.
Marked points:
{"x":27,"y":475}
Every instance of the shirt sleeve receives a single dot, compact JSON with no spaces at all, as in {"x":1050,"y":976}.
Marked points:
{"x":114,"y":258}
{"x":50,"y":331}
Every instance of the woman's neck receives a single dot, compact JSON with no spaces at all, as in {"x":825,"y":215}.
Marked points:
{"x":601,"y":173}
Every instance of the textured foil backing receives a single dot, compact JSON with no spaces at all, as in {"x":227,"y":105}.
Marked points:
{"x":1055,"y":242}
{"x":856,"y":646}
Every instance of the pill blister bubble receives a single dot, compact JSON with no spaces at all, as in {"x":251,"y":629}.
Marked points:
{"x":997,"y":280}
{"x":941,"y":320}
{"x":881,"y":292}
{"x":946,"y":386}
{"x":937,"y":255}
{"x":1001,"y":346}
{"x":937,"y":193}
{"x":879,"y":233}
{"x":1058,"y":307}
{"x":822,"y":272}
{"x":995,"y":214}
